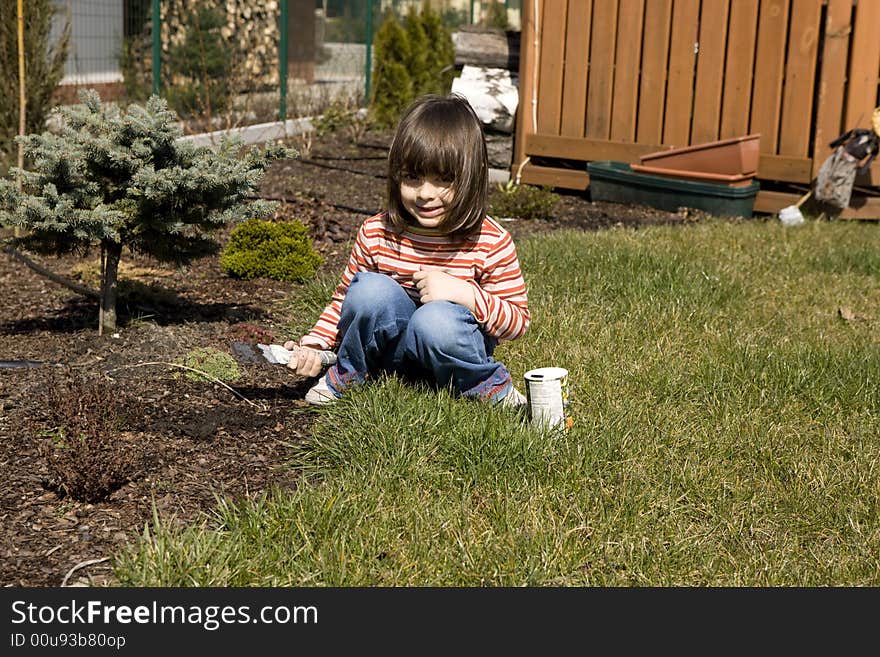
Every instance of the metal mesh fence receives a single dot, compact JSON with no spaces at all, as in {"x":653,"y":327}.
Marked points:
{"x":96,"y":29}
{"x":226,"y":63}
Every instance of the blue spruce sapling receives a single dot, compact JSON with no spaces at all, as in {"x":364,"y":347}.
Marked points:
{"x":112,"y":178}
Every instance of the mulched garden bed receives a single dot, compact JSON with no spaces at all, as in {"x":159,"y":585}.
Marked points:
{"x":184,"y":442}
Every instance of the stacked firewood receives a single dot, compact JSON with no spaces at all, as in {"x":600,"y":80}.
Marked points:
{"x":251,"y":31}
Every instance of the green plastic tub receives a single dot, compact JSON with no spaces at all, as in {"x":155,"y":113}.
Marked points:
{"x":618,"y":183}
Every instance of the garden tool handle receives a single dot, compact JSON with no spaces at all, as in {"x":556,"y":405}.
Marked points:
{"x":327,"y":357}
{"x":276,"y":353}
{"x":803,"y":198}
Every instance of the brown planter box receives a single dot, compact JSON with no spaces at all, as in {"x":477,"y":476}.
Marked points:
{"x":731,"y":157}
{"x":730,"y":180}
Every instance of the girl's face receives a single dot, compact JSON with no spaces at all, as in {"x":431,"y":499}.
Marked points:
{"x":426,"y":198}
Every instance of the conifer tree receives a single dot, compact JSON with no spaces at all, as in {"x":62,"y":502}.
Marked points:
{"x":44,"y":67}
{"x":204,"y":62}
{"x":440,"y":56}
{"x":117,"y":178}
{"x":496,"y":15}
{"x":393,"y":85}
{"x":418,"y":48}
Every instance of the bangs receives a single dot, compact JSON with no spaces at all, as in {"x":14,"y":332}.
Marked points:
{"x":431,"y":150}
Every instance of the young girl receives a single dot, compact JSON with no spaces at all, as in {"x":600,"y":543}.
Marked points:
{"x":432,"y":284}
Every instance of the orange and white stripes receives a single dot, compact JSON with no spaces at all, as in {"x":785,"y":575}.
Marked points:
{"x":487,"y":260}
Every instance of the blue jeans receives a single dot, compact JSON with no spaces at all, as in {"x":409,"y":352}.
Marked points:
{"x":383,"y":330}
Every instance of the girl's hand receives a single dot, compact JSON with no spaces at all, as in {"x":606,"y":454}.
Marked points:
{"x":438,"y":285}
{"x":305,"y":361}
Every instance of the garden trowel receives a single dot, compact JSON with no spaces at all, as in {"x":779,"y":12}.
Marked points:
{"x":273,"y":354}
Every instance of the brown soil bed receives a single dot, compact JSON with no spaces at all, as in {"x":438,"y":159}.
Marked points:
{"x":183,"y":442}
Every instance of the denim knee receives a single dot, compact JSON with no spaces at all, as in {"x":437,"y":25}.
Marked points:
{"x":444,"y":327}
{"x":371,"y":294}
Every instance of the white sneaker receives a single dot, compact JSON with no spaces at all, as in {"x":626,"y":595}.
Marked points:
{"x":514,"y":399}
{"x":320,"y":393}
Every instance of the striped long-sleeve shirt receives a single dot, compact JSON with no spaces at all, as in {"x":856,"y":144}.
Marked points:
{"x":486,"y":259}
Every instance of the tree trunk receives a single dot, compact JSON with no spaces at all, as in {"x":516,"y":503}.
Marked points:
{"x":109,"y":286}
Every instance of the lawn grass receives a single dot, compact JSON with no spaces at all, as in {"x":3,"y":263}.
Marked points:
{"x":726,"y":433}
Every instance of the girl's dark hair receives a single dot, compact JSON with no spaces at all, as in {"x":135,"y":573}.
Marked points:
{"x":441,"y":136}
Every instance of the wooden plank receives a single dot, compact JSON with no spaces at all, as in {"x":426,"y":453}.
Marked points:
{"x":785,"y":168}
{"x":576,"y":71}
{"x":526,"y":118}
{"x":544,"y":145}
{"x":706,"y":121}
{"x":870,"y":210}
{"x":737,"y":96}
{"x":773,"y":202}
{"x":655,"y":55}
{"x":555,"y":177}
{"x":800,"y":75}
{"x":769,"y":65}
{"x":601,"y":88}
{"x":680,"y":87}
{"x":551,"y":56}
{"x":863,"y":207}
{"x":832,"y":78}
{"x":864,"y":66}
{"x":626,"y":70}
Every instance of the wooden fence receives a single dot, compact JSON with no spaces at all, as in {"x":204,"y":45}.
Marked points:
{"x":614,"y":79}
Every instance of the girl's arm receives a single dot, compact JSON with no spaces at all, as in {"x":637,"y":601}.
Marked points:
{"x":323,"y":333}
{"x":500,"y":294}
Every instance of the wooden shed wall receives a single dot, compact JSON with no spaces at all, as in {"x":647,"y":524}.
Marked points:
{"x":614,"y":79}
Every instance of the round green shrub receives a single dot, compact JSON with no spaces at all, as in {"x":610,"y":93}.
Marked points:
{"x":523,"y":201}
{"x":267,"y":249}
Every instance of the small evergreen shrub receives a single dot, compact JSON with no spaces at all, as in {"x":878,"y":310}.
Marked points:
{"x":342,"y":114}
{"x":267,"y":249}
{"x":523,"y":201}
{"x":212,"y":362}
{"x":111,"y":177}
{"x":332,"y":119}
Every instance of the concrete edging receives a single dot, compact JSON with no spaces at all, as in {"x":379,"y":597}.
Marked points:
{"x":277,"y":130}
{"x":254,"y":134}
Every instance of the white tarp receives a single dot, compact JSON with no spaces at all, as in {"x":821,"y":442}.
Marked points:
{"x":492,"y":92}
